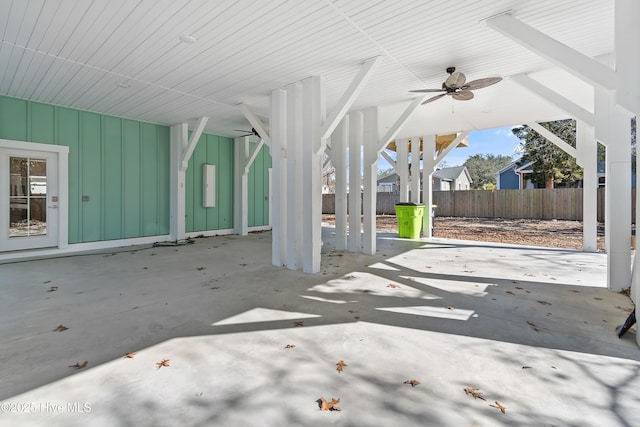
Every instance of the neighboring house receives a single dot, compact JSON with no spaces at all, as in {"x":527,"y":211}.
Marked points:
{"x":445,"y":179}
{"x":514,"y":177}
{"x":452,"y":179}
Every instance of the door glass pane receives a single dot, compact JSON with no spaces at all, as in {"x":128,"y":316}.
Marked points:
{"x":27,"y":197}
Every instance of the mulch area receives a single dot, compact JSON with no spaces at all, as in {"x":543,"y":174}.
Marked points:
{"x":547,"y":233}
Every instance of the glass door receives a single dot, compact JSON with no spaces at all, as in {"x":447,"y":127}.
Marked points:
{"x":29,"y":200}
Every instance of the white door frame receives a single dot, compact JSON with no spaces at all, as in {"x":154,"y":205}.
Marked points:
{"x":62,"y":175}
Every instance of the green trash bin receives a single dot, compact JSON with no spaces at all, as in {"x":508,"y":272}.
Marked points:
{"x":409,"y":220}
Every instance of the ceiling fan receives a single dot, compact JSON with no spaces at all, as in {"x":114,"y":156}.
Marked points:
{"x":248,"y":132}
{"x":457,"y":87}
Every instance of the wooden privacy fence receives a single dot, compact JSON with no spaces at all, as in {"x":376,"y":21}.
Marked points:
{"x":540,"y":203}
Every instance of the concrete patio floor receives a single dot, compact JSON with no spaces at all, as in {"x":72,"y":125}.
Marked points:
{"x":531,"y":328}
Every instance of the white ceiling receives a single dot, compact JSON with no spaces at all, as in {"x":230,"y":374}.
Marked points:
{"x":78,"y":53}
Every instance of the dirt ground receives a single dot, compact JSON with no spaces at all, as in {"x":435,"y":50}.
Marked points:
{"x":548,"y":233}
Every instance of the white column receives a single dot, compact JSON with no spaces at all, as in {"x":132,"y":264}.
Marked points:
{"x":279,"y":173}
{"x":339,"y":141}
{"x":587,"y":157}
{"x":294,"y":183}
{"x":314,"y":114}
{"x":178,"y":141}
{"x":241,"y":187}
{"x":402,"y":160}
{"x":415,"y":169}
{"x":428,"y":167}
{"x":613,"y":128}
{"x":355,"y":162}
{"x":370,"y":169}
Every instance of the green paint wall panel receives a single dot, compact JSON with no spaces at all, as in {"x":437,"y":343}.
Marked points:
{"x":164,"y":183}
{"x":224,"y":170}
{"x":149,"y":177}
{"x":13,"y":124}
{"x":112,"y":183}
{"x":213,"y":158}
{"x":259,"y":189}
{"x":131,"y":157}
{"x":68,"y":125}
{"x":91,"y":176}
{"x":42,"y":123}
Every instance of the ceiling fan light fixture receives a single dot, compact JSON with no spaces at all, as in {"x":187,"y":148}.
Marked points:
{"x":455,"y":80}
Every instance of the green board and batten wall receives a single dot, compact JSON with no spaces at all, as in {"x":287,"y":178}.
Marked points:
{"x":123,"y":167}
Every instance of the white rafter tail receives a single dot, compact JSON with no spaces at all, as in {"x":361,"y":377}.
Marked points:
{"x":393,"y":131}
{"x":348,"y":98}
{"x":193,"y":141}
{"x":555,"y":98}
{"x":577,"y":63}
{"x":256,"y":123}
{"x":557,"y":141}
{"x":451,"y":146}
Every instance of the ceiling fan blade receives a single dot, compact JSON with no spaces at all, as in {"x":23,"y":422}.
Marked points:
{"x":455,"y":80}
{"x":433,"y":98}
{"x":427,"y":90}
{"x":463,"y":95}
{"x":481,"y":83}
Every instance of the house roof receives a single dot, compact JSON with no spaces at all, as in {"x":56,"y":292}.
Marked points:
{"x":452,"y":173}
{"x":172,"y":62}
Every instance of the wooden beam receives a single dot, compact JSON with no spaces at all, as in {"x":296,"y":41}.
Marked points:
{"x":393,"y":131}
{"x":256,"y":123}
{"x":555,"y":98}
{"x":193,"y":141}
{"x":450,"y":147}
{"x":577,"y":63}
{"x":349,"y":96}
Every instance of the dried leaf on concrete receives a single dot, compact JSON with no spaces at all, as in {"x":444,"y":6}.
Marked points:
{"x":52,"y":289}
{"x":544,"y":302}
{"x":450,"y":307}
{"x":79,"y":365}
{"x":392,"y":285}
{"x":60,"y":328}
{"x":499,"y":406}
{"x":129,"y":355}
{"x":412,"y":382}
{"x":341,"y":366}
{"x":298,"y":323}
{"x":329,"y":406}
{"x":527,"y":367}
{"x":290,"y":346}
{"x":164,"y":362}
{"x":474,"y":392}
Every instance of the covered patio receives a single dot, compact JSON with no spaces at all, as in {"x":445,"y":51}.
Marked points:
{"x":531,"y":328}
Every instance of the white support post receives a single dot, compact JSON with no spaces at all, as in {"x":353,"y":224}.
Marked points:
{"x":370,"y":169}
{"x":314,"y":111}
{"x":614,"y":130}
{"x":349,"y":96}
{"x":587,"y":157}
{"x":577,"y":63}
{"x":402,"y":158}
{"x":355,"y":161}
{"x":415,"y":169}
{"x":294,"y":181}
{"x":279,"y":173}
{"x":193,"y":141}
{"x":339,"y":142}
{"x":428,"y":167}
{"x":553,"y":138}
{"x":555,"y":98}
{"x":178,"y":140}
{"x":256,"y":123}
{"x":627,"y":40}
{"x":241,"y":187}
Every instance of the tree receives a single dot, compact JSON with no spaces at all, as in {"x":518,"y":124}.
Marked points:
{"x":483,"y":168}
{"x":551,"y":165}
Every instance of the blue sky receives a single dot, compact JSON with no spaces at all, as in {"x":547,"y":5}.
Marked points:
{"x":489,"y":141}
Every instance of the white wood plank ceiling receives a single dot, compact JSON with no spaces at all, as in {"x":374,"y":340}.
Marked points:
{"x":126,"y":58}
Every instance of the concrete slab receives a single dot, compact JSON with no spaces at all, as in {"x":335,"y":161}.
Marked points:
{"x":449,"y":314}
